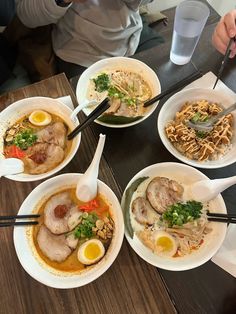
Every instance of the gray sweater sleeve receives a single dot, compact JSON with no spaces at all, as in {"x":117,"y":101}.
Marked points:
{"x":135,"y":4}
{"x":34,"y":13}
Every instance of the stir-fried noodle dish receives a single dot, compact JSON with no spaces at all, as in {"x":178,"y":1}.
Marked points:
{"x":200,"y":145}
{"x":165,"y":220}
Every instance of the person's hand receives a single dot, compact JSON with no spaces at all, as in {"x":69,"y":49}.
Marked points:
{"x":225,"y":30}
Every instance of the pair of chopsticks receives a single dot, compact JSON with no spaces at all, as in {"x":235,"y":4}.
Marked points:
{"x":174,"y":88}
{"x":8,"y":221}
{"x":226,"y":57}
{"x":103,"y":106}
{"x":217,"y":217}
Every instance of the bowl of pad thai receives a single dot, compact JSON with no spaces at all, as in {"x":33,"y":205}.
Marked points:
{"x":164,"y":224}
{"x":128,"y":83}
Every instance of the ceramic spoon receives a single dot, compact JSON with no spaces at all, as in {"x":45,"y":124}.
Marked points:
{"x":84,"y":104}
{"x":86,"y":189}
{"x":206,"y":190}
{"x":10,"y":166}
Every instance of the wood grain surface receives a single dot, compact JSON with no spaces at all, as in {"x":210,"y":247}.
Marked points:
{"x":130,"y":285}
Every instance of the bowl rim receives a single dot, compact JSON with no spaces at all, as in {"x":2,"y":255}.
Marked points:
{"x":77,"y":140}
{"x":78,"y":279}
{"x":131,"y":241}
{"x":104,"y":62}
{"x":174,"y":152}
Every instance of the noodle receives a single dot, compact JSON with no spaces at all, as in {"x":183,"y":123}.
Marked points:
{"x":200,"y":146}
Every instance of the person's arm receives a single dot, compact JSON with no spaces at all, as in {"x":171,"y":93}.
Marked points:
{"x":225,"y":30}
{"x":34,"y":13}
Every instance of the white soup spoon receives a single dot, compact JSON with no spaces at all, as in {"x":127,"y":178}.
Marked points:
{"x":10,"y":166}
{"x":86,"y":189}
{"x":206,"y":190}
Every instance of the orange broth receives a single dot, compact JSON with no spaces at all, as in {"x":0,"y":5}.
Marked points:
{"x":71,"y":264}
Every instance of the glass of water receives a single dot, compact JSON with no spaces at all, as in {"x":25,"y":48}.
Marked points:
{"x":190,"y":18}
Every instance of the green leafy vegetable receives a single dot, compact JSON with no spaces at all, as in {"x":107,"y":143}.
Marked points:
{"x":84,"y":229}
{"x":102,"y":82}
{"x":126,"y":208}
{"x":201,"y":134}
{"x":181,"y":213}
{"x":25,"y":139}
{"x":199,"y":118}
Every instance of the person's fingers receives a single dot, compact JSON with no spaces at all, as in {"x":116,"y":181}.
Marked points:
{"x":229,"y":21}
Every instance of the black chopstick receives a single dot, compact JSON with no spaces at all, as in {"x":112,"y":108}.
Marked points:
{"x":221,"y":215}
{"x":9,"y":221}
{"x":226,"y":56}
{"x":19,"y":217}
{"x":174,"y":87}
{"x":17,"y":223}
{"x":225,"y":220}
{"x":103,"y":106}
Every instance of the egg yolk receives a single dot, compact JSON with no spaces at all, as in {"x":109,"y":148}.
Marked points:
{"x":39,"y":117}
{"x":92,"y":251}
{"x":165,"y":243}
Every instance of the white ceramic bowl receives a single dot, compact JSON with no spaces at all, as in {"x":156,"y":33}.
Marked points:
{"x":21,"y":108}
{"x":174,"y":103}
{"x":28,"y":255}
{"x":212,"y":241}
{"x":127,"y":64}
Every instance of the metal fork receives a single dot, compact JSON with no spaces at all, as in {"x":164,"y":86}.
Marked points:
{"x":208,"y":125}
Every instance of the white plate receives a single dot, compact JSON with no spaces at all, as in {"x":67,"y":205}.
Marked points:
{"x":21,"y":108}
{"x":28,"y":255}
{"x":127,"y":64}
{"x":174,"y":103}
{"x":212,"y":241}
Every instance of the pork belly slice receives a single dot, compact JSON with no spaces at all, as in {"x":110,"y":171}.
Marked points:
{"x":68,"y":221}
{"x":56,"y":247}
{"x":143,"y":211}
{"x":162,"y":192}
{"x":53,"y":134}
{"x":43,"y":157}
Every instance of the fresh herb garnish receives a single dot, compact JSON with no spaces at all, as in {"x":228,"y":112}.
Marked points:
{"x":85,"y":228}
{"x":181,"y":213}
{"x":25,"y":139}
{"x":102,"y":82}
{"x":201,"y":134}
{"x":199,"y":118}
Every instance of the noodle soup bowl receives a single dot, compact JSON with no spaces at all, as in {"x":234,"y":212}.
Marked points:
{"x":114,"y":64}
{"x":24,"y":107}
{"x":174,"y":105}
{"x":29,"y":256}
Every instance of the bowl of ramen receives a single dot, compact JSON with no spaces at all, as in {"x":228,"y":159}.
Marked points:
{"x":214,"y":149}
{"x":164,"y":224}
{"x":35,"y":130}
{"x":75,"y":242}
{"x":128,"y":83}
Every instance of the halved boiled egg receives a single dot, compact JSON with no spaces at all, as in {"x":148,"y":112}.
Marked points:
{"x":40,"y":117}
{"x":90,"y":252}
{"x":164,"y":244}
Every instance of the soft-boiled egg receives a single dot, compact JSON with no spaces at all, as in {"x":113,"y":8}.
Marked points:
{"x":40,"y":117}
{"x":164,"y":244}
{"x":90,"y":252}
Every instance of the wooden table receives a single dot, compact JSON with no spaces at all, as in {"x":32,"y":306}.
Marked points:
{"x":129,"y":286}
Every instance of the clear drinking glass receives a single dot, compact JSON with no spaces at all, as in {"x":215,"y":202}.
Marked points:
{"x":190,"y":18}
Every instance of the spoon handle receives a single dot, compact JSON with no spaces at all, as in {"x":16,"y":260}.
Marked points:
{"x":222,"y":184}
{"x":223,"y":113}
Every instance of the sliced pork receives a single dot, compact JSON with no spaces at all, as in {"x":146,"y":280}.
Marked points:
{"x":162,"y":192}
{"x":53,"y":134}
{"x":143,"y":211}
{"x":43,"y":157}
{"x":55,"y":247}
